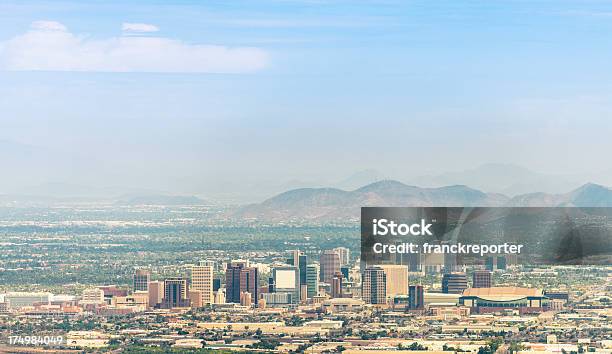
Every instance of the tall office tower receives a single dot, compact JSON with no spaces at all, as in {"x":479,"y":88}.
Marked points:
{"x":240,"y":278}
{"x":175,"y":293}
{"x":336,"y":285}
{"x":416,"y":297}
{"x":344,"y":254}
{"x":481,"y":279}
{"x":454,"y":283}
{"x":312,"y":280}
{"x":396,"y":279}
{"x":202,"y":281}
{"x":287,"y":280}
{"x":141,"y":279}
{"x":302,"y":267}
{"x":249,"y":282}
{"x":330,"y":265}
{"x":374,"y":286}
{"x":502,"y":263}
{"x":156,"y":293}
{"x":232,"y":282}
{"x":216,"y":284}
{"x":298,"y":259}
{"x":490,"y":263}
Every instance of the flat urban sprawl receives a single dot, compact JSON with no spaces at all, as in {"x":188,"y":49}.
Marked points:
{"x":140,"y":279}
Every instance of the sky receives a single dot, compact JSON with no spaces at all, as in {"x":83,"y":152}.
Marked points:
{"x":227,"y":98}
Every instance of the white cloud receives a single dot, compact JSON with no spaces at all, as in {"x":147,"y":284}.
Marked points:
{"x":49,"y":46}
{"x":139,"y":27}
{"x":48,"y":26}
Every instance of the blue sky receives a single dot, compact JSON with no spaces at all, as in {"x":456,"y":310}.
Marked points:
{"x":213,"y":96}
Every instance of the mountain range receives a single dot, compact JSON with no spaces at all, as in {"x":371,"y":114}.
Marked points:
{"x":327,"y":204}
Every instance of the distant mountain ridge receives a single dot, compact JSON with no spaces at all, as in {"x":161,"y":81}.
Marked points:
{"x":502,"y":178}
{"x":325,"y":204}
{"x":333,"y":203}
{"x":588,"y":195}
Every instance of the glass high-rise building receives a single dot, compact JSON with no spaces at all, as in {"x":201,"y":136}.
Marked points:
{"x":141,"y":279}
{"x":239,"y":277}
{"x":175,"y":293}
{"x":312,"y":280}
{"x":330,"y":265}
{"x":374,"y":286}
{"x":481,"y":279}
{"x":287,"y":280}
{"x":416,"y":297}
{"x":454,"y":283}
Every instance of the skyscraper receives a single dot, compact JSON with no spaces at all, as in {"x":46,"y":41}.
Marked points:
{"x":175,"y":293}
{"x":336,"y":285}
{"x":249,"y":282}
{"x":216,"y":284}
{"x":156,"y":293}
{"x":396,"y":279}
{"x":241,"y":278}
{"x":416,"y":297}
{"x":287,"y":280}
{"x":232,"y":283}
{"x":330,"y":265}
{"x":202,"y":281}
{"x":344,"y":254}
{"x":481,"y":279}
{"x":141,"y":279}
{"x":374,"y":286}
{"x":298,"y":259}
{"x":312,"y":280}
{"x":454,"y":283}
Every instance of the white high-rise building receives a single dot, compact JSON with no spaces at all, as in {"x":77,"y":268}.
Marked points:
{"x":344,"y":254}
{"x":287,"y":280}
{"x":202,"y":281}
